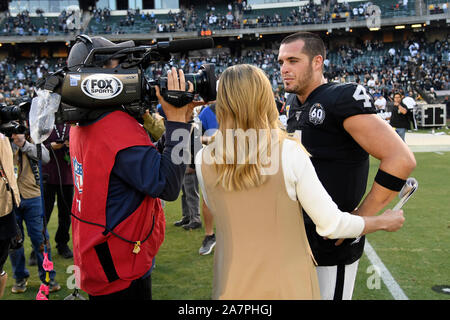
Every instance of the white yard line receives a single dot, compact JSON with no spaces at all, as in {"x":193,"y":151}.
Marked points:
{"x":425,"y":148}
{"x":392,"y":285}
{"x":420,"y":146}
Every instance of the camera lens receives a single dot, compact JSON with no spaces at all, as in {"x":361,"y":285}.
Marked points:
{"x":12,"y":127}
{"x":204,"y":82}
{"x":8,"y":113}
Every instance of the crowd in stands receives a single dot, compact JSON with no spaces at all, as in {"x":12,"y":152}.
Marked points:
{"x":382,"y":68}
{"x":196,"y":19}
{"x":20,"y":25}
{"x":18,"y":79}
{"x":438,"y":8}
{"x":237,"y":14}
{"x":24,"y":25}
{"x":101,"y":15}
{"x":385,"y":68}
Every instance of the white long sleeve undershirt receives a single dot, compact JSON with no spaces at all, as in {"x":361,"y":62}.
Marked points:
{"x":302,"y":184}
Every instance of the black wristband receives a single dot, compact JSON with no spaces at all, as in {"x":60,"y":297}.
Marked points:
{"x":389,"y":181}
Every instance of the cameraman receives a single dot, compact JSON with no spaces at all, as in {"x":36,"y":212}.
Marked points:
{"x":30,"y":211}
{"x":57,"y":178}
{"x":401,"y":116}
{"x":9,"y":198}
{"x":118,"y":223}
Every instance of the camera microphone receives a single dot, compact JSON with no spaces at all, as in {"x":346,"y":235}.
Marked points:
{"x":186,"y":45}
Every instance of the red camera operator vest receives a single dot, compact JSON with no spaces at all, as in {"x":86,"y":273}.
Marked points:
{"x":107,"y":263}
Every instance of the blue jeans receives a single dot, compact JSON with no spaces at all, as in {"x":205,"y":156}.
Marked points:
{"x":30,"y":211}
{"x":401,"y":132}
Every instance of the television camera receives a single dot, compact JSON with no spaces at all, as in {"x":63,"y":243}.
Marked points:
{"x":83,"y":92}
{"x":89,"y":90}
{"x":11,"y":118}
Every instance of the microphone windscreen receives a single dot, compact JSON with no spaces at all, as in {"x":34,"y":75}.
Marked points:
{"x":190,"y":44}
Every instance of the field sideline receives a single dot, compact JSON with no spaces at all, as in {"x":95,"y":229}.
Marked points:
{"x":416,"y":256}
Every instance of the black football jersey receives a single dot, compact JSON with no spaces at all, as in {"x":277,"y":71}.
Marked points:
{"x":341,"y":164}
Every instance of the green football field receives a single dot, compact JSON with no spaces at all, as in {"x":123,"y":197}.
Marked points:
{"x":417,"y":256}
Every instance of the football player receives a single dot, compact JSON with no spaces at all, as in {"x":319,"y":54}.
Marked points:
{"x":338,"y":125}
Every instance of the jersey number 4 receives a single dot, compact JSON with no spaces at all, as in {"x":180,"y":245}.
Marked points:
{"x":361,"y":94}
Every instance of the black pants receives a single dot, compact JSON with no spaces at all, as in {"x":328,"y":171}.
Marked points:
{"x":4,"y":249}
{"x":64,"y":203}
{"x":7,"y":231}
{"x":140,"y":289}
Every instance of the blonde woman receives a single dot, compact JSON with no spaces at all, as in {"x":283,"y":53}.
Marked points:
{"x":256,"y":188}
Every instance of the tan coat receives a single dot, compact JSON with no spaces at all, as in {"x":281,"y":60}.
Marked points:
{"x":262,"y":251}
{"x":6,"y":161}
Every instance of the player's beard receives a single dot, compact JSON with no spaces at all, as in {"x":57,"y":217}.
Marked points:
{"x":303,"y":82}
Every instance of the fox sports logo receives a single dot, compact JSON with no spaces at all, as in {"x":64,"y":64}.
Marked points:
{"x":101,"y":86}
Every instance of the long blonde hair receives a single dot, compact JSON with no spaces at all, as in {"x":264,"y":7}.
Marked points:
{"x":245,"y":101}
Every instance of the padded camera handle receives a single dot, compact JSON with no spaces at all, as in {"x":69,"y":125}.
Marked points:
{"x":113,"y":51}
{"x":178,"y":98}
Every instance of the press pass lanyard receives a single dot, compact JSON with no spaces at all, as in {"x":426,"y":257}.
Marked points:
{"x":62,"y":135}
